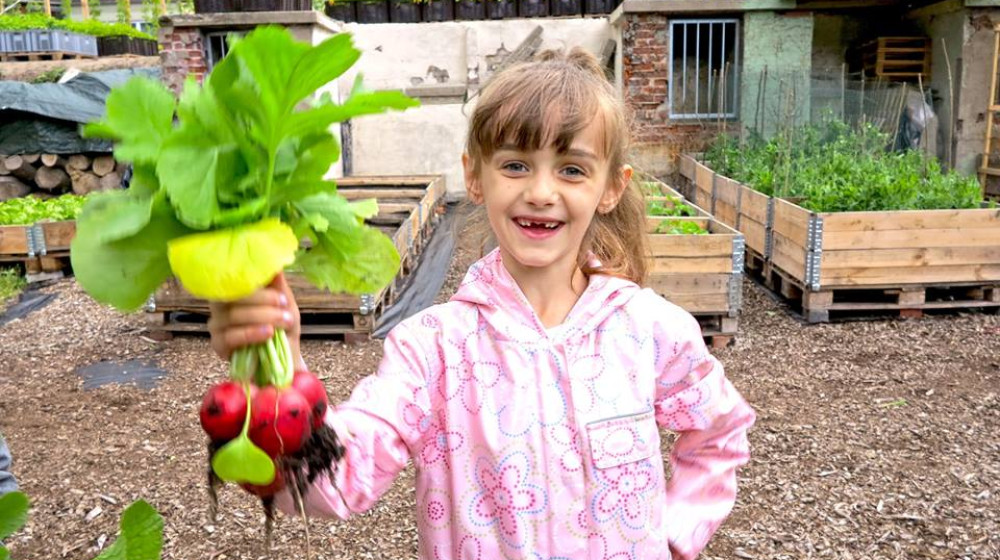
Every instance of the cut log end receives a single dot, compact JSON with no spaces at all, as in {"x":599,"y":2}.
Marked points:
{"x":79,"y":162}
{"x":52,"y":178}
{"x":102,"y":165}
{"x":111,"y":181}
{"x":11,"y":187}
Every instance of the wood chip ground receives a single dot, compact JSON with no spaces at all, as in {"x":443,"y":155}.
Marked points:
{"x":875,"y":440}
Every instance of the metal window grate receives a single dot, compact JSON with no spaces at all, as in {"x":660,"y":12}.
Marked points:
{"x":217,"y":45}
{"x":704,"y":68}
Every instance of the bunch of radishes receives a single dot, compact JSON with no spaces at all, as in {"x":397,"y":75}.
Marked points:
{"x":266,"y":427}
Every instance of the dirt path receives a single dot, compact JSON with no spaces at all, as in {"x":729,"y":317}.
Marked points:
{"x":875,"y":440}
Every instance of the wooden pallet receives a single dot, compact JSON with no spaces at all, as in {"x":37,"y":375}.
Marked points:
{"x":409,"y":209}
{"x":34,"y":56}
{"x":42,"y":249}
{"x":898,"y":58}
{"x":906,"y":301}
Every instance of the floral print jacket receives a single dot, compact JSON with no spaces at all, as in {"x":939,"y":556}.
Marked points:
{"x":544,"y":444}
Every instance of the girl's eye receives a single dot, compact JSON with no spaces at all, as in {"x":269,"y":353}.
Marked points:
{"x":574,"y":171}
{"x":515,"y":167}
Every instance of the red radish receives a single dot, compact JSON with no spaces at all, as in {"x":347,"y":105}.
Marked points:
{"x":223,"y":410}
{"x":310,"y":387}
{"x":279,"y":421}
{"x":277,"y":485}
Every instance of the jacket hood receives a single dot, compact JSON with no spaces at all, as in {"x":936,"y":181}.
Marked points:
{"x":504,"y":307}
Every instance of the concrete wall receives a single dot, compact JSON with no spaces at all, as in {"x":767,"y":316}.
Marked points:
{"x":781,"y":44}
{"x":441,"y":63}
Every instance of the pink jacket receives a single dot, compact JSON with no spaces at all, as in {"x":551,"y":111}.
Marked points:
{"x":544,"y":444}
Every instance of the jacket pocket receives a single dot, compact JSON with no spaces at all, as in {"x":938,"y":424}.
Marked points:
{"x":623,"y":439}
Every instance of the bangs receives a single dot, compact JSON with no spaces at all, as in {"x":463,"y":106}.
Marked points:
{"x":534,"y":111}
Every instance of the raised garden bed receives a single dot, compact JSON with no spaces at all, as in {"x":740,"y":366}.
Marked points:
{"x":700,"y":272}
{"x":408,"y":212}
{"x":905,"y":261}
{"x":42,"y":248}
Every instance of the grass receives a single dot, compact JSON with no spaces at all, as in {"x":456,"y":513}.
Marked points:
{"x":11,"y":284}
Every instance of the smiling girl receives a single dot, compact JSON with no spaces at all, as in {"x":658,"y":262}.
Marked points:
{"x":532,"y":402}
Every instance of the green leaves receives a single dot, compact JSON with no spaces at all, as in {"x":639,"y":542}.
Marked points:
{"x":245,"y":152}
{"x":242,"y":461}
{"x":141,"y":535}
{"x":13,"y":514}
{"x":139,"y":117}
{"x":120,"y":269}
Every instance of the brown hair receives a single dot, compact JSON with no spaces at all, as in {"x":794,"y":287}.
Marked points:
{"x":549,"y":101}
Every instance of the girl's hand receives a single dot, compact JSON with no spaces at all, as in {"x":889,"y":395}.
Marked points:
{"x":253,"y":319}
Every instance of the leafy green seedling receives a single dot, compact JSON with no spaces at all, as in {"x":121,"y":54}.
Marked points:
{"x":13,"y":514}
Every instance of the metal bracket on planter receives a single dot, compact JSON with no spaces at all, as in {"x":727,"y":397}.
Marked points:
{"x":735,"y":294}
{"x":150,"y":305}
{"x":367,"y":304}
{"x":814,"y":254}
{"x":739,"y":253}
{"x":36,"y":240}
{"x":769,"y":229}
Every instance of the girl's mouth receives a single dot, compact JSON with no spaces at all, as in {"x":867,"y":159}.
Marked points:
{"x":538,"y":228}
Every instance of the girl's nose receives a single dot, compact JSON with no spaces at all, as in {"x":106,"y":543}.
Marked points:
{"x":541,"y":191}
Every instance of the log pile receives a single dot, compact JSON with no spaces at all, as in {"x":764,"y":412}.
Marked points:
{"x":54,"y":174}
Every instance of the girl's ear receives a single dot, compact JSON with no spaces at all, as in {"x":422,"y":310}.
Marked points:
{"x":616,"y":188}
{"x":473,"y":187}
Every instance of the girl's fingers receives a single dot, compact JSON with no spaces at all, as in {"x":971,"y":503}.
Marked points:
{"x":237,"y":337}
{"x":243,"y":315}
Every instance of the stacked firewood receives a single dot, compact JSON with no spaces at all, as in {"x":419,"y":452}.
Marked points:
{"x":53,"y":174}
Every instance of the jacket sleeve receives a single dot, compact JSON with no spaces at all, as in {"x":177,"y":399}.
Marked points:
{"x":7,"y":481}
{"x":696,"y":400}
{"x":379,"y":426}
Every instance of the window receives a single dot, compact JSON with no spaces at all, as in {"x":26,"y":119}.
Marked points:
{"x":704,"y":68}
{"x":217,"y":45}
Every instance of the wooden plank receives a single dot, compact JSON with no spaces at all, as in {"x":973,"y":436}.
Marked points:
{"x":753,"y":205}
{"x":789,"y":256}
{"x":700,"y":303}
{"x":725,"y":213}
{"x":378,"y":192}
{"x":58,"y":235}
{"x":701,"y":265}
{"x":754,"y":233}
{"x":727,"y":191}
{"x":905,"y":239}
{"x":791,"y":220}
{"x":689,"y":283}
{"x":703,"y":177}
{"x":912,"y":219}
{"x":386,"y":180}
{"x":686,"y":165}
{"x":896,"y":276}
{"x":13,"y":240}
{"x":663,"y":245}
{"x":908,"y":258}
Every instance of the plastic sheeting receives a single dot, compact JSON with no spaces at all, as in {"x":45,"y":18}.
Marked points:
{"x":425,"y":281}
{"x":45,"y":118}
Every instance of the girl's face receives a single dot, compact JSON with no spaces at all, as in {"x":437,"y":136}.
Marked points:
{"x":540,"y":203}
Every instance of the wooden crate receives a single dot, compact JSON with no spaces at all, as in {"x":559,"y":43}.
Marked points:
{"x":409,"y":208}
{"x":898,"y":58}
{"x":700,"y":273}
{"x":42,"y":248}
{"x":902,"y":261}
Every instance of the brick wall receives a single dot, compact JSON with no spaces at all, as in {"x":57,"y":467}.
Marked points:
{"x":645,"y":56}
{"x":182,"y":55}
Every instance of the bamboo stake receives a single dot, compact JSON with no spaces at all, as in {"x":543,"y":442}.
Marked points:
{"x":843,"y":92}
{"x":951,"y":105}
{"x":85,"y":9}
{"x":990,"y":113}
{"x":48,"y":7}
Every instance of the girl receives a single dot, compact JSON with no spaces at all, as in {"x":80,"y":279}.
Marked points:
{"x":531,"y":403}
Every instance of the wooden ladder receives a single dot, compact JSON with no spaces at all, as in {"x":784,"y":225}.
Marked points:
{"x":992,"y":109}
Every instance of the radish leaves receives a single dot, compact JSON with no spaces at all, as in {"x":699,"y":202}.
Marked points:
{"x":248,"y":147}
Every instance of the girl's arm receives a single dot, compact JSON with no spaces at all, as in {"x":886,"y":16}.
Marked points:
{"x":379,"y":426}
{"x":695,"y":399}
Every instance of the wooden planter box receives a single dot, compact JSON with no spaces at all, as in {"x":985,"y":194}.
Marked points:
{"x":109,"y":46}
{"x":470,"y":10}
{"x":703,"y":274}
{"x":903,"y":260}
{"x":42,"y":248}
{"x":373,"y":12}
{"x":408,"y":212}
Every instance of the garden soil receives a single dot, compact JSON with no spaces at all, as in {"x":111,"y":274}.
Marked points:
{"x":875,"y":440}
